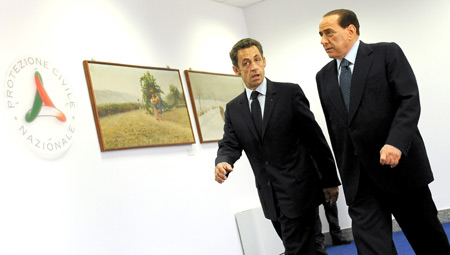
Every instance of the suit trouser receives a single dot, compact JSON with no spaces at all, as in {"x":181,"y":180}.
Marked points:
{"x":297,"y":234}
{"x":414,"y":211}
{"x":331,"y":213}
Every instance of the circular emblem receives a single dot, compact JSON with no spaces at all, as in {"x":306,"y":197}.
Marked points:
{"x":40,"y":105}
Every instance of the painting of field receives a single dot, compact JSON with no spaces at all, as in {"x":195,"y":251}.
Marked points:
{"x":136,"y":106}
{"x":210,"y":92}
{"x":138,"y":129}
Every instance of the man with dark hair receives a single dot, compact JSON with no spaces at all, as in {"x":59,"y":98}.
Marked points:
{"x":273,"y":124}
{"x":370,"y":100}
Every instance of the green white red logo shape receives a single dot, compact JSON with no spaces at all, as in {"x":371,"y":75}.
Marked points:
{"x":42,"y":99}
{"x":40,"y":106}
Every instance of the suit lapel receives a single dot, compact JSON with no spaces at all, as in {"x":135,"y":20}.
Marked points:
{"x":244,"y":109}
{"x":362,"y":66}
{"x":269,"y":104}
{"x":333,"y":91}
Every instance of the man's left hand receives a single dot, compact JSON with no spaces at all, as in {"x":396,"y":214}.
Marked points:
{"x":331,"y":194}
{"x":389,"y":155}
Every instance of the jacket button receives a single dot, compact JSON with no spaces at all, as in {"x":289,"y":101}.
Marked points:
{"x":266,"y":163}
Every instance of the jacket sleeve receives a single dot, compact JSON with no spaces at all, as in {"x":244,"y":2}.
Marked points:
{"x":402,"y":80}
{"x":315,"y":141}
{"x":230,"y":150}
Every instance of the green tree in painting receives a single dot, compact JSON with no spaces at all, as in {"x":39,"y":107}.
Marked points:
{"x":148,"y":83}
{"x":175,"y":97}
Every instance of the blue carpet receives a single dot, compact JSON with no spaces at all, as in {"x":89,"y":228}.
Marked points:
{"x":400,"y":241}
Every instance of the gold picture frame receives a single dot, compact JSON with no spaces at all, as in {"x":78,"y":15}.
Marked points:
{"x":137,"y":106}
{"x":209,"y":93}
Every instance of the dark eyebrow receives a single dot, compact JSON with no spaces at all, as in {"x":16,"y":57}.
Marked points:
{"x":327,"y":30}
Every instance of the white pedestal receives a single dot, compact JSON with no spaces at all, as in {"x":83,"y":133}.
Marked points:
{"x":258,"y":237}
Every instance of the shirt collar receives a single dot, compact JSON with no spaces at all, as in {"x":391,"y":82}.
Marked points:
{"x":351,"y":55}
{"x":262,"y":88}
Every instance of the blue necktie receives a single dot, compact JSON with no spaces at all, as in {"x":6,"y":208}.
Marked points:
{"x":345,"y":80}
{"x":256,"y":112}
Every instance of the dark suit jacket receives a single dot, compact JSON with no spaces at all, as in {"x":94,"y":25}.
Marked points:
{"x":384,"y":109}
{"x":282,"y":159}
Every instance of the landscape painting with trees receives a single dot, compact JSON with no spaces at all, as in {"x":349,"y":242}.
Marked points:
{"x":210,"y":92}
{"x":137,"y":106}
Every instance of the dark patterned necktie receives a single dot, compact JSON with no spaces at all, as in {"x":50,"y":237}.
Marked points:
{"x":345,"y":80}
{"x":256,"y":112}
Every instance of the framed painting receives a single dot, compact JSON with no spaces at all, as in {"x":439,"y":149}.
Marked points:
{"x":137,"y":106}
{"x":210,"y":92}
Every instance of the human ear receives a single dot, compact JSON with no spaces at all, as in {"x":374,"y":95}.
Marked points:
{"x":236,"y":70}
{"x":351,"y":29}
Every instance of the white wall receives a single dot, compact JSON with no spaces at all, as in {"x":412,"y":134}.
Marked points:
{"x":140,"y":201}
{"x":164,"y":200}
{"x":288,"y":30}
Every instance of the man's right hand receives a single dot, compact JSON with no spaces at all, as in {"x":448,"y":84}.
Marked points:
{"x":221,"y":171}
